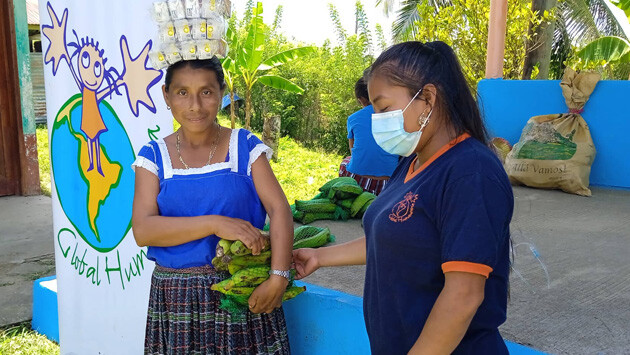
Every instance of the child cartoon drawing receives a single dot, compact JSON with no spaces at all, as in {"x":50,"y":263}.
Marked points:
{"x":91,"y":72}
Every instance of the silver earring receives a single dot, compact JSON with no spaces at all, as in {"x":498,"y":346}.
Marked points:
{"x":423,"y":120}
{"x":168,"y":108}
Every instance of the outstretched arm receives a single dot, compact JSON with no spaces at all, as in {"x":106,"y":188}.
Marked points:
{"x":101,"y":94}
{"x":308,"y":260}
{"x":58,"y":50}
{"x":74,"y":75}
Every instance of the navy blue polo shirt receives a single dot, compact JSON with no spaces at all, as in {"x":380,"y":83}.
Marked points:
{"x":452,"y":214}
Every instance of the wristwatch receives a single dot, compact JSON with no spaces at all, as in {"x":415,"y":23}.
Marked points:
{"x":284,"y":273}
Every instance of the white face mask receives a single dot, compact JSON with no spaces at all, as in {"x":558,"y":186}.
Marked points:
{"x":388,"y":129}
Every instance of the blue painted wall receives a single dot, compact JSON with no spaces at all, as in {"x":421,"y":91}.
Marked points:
{"x":508,"y":104}
{"x":322,"y":322}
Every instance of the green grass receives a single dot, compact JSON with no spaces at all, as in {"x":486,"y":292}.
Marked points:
{"x":21,"y":339}
{"x":301,"y":171}
{"x":43,"y":155}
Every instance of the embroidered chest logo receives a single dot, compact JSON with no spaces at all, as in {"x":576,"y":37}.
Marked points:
{"x":403,"y":210}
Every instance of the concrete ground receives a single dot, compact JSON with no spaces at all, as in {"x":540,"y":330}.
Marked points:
{"x":27,"y":253}
{"x":582,"y":307}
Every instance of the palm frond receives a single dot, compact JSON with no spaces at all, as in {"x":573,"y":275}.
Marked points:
{"x":587,"y":20}
{"x":407,"y":16}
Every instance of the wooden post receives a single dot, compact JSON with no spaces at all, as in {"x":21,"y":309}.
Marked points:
{"x":19,"y":169}
{"x":271,"y":133}
{"x":496,"y":39}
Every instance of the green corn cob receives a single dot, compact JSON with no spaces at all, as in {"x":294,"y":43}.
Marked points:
{"x":326,"y":187}
{"x":234,"y":268}
{"x":344,"y":190}
{"x":365,"y":207}
{"x":222,"y":286}
{"x":317,"y":206}
{"x":297,"y":215}
{"x":312,"y":217}
{"x":240,"y":291}
{"x":341,"y":214}
{"x":239,"y":295}
{"x":292,"y":292}
{"x":303,"y":232}
{"x":239,"y":249}
{"x":240,"y":262}
{"x":218,"y":287}
{"x":251,"y":276}
{"x":346,"y":204}
{"x":223,"y":247}
{"x":250,"y":260}
{"x":360,"y":201}
{"x":315,"y":241}
{"x":218,"y":264}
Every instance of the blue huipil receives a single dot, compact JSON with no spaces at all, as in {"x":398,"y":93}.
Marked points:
{"x":224,"y":188}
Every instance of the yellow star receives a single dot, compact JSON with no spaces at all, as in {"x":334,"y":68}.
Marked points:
{"x":56,"y":34}
{"x":137,"y":78}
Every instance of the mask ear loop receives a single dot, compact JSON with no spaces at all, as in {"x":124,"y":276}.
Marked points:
{"x":413,"y":98}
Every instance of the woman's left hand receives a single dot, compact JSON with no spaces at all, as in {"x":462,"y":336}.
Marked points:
{"x":268,"y":295}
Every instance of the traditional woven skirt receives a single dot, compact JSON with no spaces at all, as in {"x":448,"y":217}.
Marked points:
{"x":374,"y":186}
{"x":184,"y":318}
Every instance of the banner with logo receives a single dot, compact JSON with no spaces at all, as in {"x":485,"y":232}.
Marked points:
{"x":104,"y":103}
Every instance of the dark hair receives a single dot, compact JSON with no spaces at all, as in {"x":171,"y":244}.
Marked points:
{"x":212,"y":64}
{"x":415,"y":64}
{"x":360,"y":89}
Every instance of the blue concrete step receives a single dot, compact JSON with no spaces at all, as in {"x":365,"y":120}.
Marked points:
{"x":319,"y":321}
{"x":45,"y":315}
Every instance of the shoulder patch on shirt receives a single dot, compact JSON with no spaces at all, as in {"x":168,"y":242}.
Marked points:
{"x":403,"y":210}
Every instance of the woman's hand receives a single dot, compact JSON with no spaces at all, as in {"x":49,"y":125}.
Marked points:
{"x":238,"y":229}
{"x":268,"y":295}
{"x":306,"y":261}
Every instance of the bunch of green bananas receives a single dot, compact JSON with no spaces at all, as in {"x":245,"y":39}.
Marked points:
{"x":248,"y":271}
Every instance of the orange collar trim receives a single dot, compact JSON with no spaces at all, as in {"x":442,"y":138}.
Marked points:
{"x":411,"y":173}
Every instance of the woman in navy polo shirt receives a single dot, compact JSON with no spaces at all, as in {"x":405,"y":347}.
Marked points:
{"x":437,"y":237}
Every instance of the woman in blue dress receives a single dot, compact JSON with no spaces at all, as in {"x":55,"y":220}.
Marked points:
{"x":437,"y":238}
{"x":202,"y":183}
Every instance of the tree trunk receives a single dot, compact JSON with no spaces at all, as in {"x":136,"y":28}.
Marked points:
{"x":248,"y":107}
{"x":232,"y":115}
{"x":538,"y":47}
{"x":271,"y":133}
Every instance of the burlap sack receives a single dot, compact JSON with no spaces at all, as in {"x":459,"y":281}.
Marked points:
{"x":556,"y":151}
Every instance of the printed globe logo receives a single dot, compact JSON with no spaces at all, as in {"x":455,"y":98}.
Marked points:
{"x":95,"y":192}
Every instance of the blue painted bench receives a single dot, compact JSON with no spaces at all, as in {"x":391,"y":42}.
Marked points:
{"x":319,"y":321}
